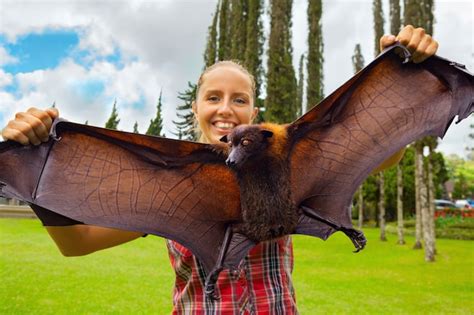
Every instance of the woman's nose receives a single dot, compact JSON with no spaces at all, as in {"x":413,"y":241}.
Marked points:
{"x":225,"y":108}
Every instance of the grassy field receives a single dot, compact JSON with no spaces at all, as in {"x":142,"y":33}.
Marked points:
{"x":136,"y":278}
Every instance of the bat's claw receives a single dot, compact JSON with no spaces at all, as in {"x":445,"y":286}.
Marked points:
{"x":211,"y":292}
{"x":211,"y":281}
{"x":357,"y":238}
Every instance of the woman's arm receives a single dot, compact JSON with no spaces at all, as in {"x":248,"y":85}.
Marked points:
{"x":79,"y":240}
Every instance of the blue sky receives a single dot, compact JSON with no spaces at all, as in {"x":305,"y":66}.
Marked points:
{"x":84,"y":56}
{"x":40,"y":51}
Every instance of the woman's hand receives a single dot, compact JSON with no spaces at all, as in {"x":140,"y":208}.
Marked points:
{"x":420,"y":44}
{"x":30,"y":127}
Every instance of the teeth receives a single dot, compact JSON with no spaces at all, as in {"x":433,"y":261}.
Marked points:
{"x":224,"y":125}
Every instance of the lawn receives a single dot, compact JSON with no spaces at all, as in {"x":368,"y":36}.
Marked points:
{"x":136,"y":278}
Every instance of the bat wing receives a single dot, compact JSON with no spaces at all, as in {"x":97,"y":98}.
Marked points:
{"x":180,"y":190}
{"x":383,"y":108}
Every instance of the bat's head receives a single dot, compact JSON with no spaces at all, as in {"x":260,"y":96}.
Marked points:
{"x":246,"y":142}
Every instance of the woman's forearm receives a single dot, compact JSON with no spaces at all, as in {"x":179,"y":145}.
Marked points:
{"x":78,"y":240}
{"x":391,"y":161}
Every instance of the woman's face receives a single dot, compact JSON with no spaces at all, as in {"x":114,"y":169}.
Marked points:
{"x":225,"y":100}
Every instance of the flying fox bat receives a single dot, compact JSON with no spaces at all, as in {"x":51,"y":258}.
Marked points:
{"x":262,"y":182}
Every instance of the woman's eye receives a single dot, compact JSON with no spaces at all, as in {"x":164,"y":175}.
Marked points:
{"x":240,"y":101}
{"x":213,"y":98}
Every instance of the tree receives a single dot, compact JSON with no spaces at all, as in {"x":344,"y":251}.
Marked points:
{"x":395,"y":22}
{"x":185,"y":127}
{"x":418,"y":184}
{"x":238,"y":34}
{"x":113,"y":121}
{"x":378,"y":24}
{"x":358,"y":64}
{"x":156,"y":124}
{"x":135,"y":127}
{"x":299,"y":91}
{"x":425,"y":216}
{"x":224,"y":30}
{"x":254,"y":44}
{"x":420,"y":14}
{"x":281,"y":81}
{"x":382,"y":207}
{"x":315,"y":87}
{"x":210,"y":55}
{"x":401,"y":239}
{"x":357,"y":59}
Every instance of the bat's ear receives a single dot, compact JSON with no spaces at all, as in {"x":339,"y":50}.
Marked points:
{"x":266,"y":133}
{"x":223,"y":139}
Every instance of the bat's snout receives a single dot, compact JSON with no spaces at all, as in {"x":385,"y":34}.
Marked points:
{"x":230,"y":162}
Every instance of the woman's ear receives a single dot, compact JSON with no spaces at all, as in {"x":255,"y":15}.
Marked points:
{"x":254,"y":114}
{"x":194,"y":108}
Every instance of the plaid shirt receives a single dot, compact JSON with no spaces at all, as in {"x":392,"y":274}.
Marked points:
{"x":261,"y":285}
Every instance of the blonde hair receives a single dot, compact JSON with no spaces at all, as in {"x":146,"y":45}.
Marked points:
{"x":230,"y":63}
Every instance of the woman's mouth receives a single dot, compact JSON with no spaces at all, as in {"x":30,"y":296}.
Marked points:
{"x":223,"y":127}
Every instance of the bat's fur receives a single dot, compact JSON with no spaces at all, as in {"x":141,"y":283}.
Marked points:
{"x":264,"y":178}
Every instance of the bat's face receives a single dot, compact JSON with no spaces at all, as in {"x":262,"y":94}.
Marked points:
{"x":247,"y":143}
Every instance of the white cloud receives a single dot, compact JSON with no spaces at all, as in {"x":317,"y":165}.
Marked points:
{"x":5,"y":78}
{"x":6,"y":58}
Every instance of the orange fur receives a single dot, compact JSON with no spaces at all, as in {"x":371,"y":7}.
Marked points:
{"x":279,"y":140}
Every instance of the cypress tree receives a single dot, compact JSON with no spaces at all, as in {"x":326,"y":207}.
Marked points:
{"x":238,"y":34}
{"x":413,"y":13}
{"x":395,"y":22}
{"x":378,"y":24}
{"x":420,"y":14}
{"x":299,"y":92}
{"x":281,"y":81}
{"x":357,"y":59}
{"x":135,"y":127}
{"x":113,"y":121}
{"x":210,"y":54}
{"x":254,"y":44}
{"x":428,"y":17}
{"x":185,"y":127}
{"x":224,"y":30}
{"x":315,"y":88}
{"x":156,"y":124}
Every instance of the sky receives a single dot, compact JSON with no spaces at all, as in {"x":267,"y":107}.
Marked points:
{"x":84,"y":55}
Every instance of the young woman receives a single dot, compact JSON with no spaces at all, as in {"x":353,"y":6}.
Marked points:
{"x":225,"y":99}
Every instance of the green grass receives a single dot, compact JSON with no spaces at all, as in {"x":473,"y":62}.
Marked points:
{"x":136,"y":278}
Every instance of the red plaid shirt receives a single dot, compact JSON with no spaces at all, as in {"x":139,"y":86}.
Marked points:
{"x":261,"y":285}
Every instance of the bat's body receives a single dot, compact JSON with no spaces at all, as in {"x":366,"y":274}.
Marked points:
{"x":298,"y":178}
{"x":259,"y":156}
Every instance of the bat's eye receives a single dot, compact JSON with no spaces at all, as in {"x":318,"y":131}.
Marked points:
{"x":245,"y":142}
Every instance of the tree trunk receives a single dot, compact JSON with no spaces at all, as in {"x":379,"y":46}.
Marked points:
{"x":425,"y":213}
{"x":401,"y":239}
{"x":382,"y":207}
{"x":431,"y":198}
{"x":361,"y":207}
{"x":418,"y":232}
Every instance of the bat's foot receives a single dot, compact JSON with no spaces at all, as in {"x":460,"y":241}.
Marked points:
{"x":211,"y":292}
{"x":211,"y":281}
{"x":357,"y":238}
